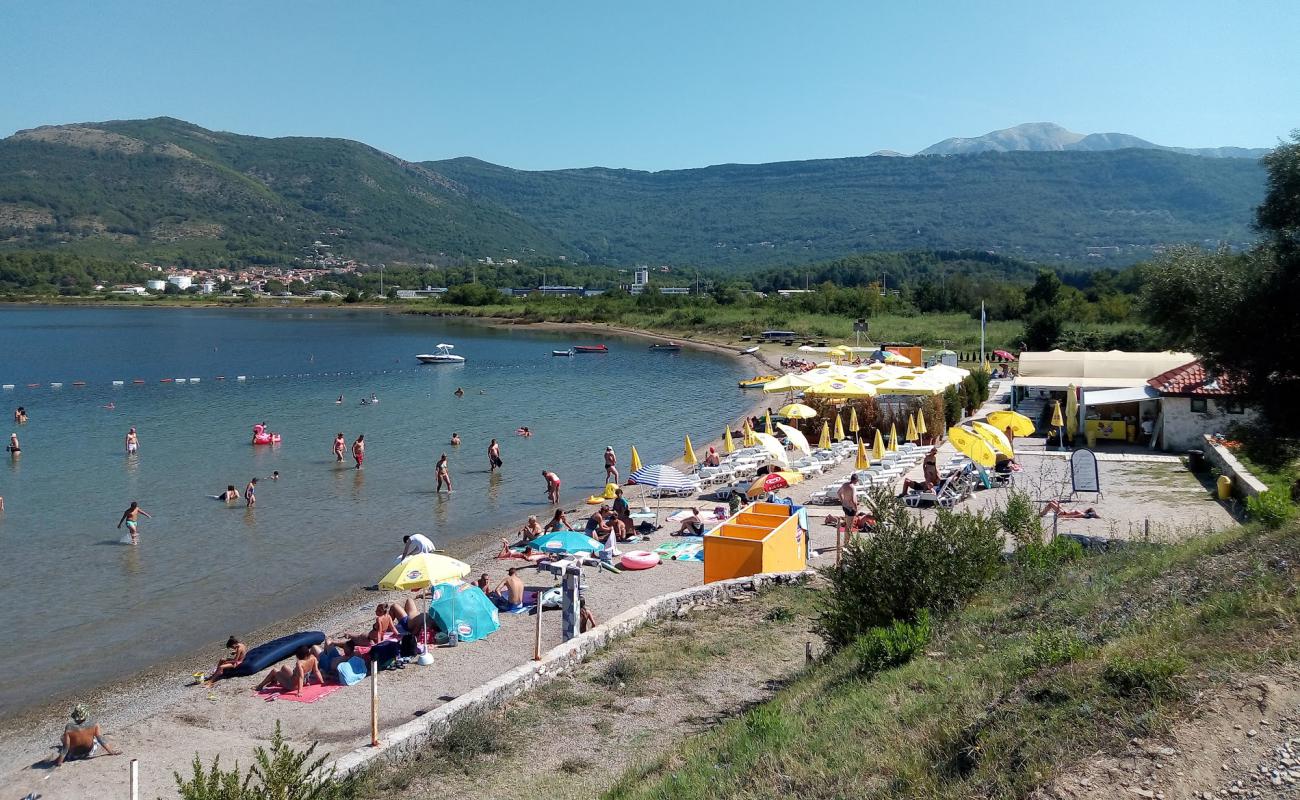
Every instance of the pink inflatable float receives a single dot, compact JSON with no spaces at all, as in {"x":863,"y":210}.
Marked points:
{"x":639,"y":559}
{"x":262,"y":436}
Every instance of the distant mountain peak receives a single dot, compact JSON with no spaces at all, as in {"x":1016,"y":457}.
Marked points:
{"x":1048,"y":136}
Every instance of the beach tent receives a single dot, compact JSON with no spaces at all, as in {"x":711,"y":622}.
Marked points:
{"x":464,"y":609}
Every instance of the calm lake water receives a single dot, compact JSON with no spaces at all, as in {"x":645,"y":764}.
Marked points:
{"x":80,"y":608}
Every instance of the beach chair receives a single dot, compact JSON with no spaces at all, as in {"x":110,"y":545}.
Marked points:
{"x":945,"y":495}
{"x":990,"y":479}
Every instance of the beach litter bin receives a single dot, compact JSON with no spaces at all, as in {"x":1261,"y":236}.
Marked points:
{"x":1196,"y":460}
{"x":1224,"y":485}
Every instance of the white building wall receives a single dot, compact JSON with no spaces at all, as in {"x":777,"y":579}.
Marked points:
{"x":181,"y":282}
{"x":1184,"y":429}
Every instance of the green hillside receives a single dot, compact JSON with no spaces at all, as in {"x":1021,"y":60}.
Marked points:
{"x":166,"y":189}
{"x":1049,"y":206}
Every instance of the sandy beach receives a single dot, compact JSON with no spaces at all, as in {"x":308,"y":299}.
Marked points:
{"x":158,"y":718}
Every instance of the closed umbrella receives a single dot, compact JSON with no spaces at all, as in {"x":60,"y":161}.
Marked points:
{"x":920,"y":422}
{"x":1019,"y":424}
{"x":1057,"y":422}
{"x":824,"y":443}
{"x":893,"y":437}
{"x":1071,"y":412}
{"x":970,"y":444}
{"x":773,"y":481}
{"x":878,"y":447}
{"x":839,"y":428}
{"x":773,"y":448}
{"x":767,"y":423}
{"x":797,"y":411}
{"x":634,"y":463}
{"x":863,"y":462}
{"x":853,"y":420}
{"x":796,"y":438}
{"x":689,"y":455}
{"x":996,"y":438}
{"x":728,"y":446}
{"x":912,"y":435}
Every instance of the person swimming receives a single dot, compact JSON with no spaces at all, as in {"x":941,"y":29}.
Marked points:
{"x":230,"y":495}
{"x":339,"y":401}
{"x":459,"y":392}
{"x":523,"y":431}
{"x":455,"y":440}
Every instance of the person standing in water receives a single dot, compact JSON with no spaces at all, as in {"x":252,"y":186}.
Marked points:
{"x":611,"y":465}
{"x":250,"y":494}
{"x":14,"y":448}
{"x":131,"y":517}
{"x":443,"y":474}
{"x":340,"y":445}
{"x":494,"y":456}
{"x":455,"y":440}
{"x":552,"y":486}
{"x":132,"y":442}
{"x":359,"y":450}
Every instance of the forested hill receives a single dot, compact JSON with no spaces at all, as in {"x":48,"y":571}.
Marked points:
{"x":1050,"y":206}
{"x":166,"y":190}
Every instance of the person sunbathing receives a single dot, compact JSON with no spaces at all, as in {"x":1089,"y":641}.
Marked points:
{"x":227,"y":665}
{"x":528,"y":553}
{"x":384,"y":626}
{"x":559,"y":522}
{"x":692,"y":525}
{"x":1054,"y":507}
{"x":81,"y":738}
{"x":292,"y":679}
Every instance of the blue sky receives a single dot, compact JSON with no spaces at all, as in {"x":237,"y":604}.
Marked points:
{"x":658,"y":85}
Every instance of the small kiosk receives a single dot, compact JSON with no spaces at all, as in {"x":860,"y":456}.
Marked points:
{"x":763,"y":537}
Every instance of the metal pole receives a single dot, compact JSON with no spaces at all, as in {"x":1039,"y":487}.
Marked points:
{"x":374,"y":703}
{"x":135,"y":779}
{"x":537,"y":631}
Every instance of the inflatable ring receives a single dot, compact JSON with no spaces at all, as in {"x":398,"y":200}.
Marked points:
{"x":639,"y":559}
{"x":595,"y":500}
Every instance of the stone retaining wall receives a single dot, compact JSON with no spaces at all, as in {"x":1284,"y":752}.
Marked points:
{"x":1243,"y":483}
{"x":404,"y":739}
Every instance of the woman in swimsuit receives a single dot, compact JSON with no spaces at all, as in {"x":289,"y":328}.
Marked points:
{"x":384,"y":625}
{"x":131,"y":517}
{"x":455,"y":440}
{"x":359,"y":450}
{"x":227,"y":665}
{"x":340,"y":445}
{"x":230,"y":495}
{"x":444,"y":476}
{"x":559,"y":522}
{"x":292,"y":679}
{"x":552,"y":486}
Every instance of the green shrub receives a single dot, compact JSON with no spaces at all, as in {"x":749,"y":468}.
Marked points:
{"x":1147,"y":676}
{"x":907,"y":565}
{"x":620,"y":672}
{"x":1019,"y":519}
{"x":278,"y":773}
{"x":1052,"y":648}
{"x":1271,"y":509}
{"x":471,"y":736}
{"x":884,"y":648}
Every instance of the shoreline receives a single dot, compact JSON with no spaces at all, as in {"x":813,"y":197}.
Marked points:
{"x":166,"y":684}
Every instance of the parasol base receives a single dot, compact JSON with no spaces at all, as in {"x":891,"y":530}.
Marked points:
{"x":424,"y":659}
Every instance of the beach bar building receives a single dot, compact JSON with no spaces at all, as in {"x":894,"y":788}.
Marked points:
{"x":763,"y":537}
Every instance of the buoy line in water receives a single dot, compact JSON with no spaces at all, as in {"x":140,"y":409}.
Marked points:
{"x":117,"y":384}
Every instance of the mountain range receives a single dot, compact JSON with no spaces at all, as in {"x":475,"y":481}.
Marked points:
{"x":1043,"y":136}
{"x":166,"y":190}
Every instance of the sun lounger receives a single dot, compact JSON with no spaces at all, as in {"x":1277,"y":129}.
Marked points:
{"x":946,"y":495}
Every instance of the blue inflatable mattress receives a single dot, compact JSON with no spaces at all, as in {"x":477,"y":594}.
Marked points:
{"x":264,"y":655}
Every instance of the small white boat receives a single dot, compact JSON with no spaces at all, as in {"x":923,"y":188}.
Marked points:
{"x":749,"y":351}
{"x":568,"y":352}
{"x":443,"y":356}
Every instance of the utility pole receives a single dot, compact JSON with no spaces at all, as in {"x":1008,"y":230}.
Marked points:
{"x":381,"y":280}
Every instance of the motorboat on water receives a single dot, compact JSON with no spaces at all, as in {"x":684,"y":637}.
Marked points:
{"x":443,"y":356}
{"x":665,"y":347}
{"x":568,"y":352}
{"x":590,"y":348}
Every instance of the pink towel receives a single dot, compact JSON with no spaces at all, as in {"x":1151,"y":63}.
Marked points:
{"x":310,"y":693}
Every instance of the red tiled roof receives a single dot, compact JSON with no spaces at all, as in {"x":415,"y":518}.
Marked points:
{"x":1192,"y":380}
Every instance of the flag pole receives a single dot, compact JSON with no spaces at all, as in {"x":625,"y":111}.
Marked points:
{"x":983,"y":323}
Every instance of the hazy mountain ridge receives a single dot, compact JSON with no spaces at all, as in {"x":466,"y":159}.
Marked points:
{"x":1043,"y":136}
{"x":163,"y":189}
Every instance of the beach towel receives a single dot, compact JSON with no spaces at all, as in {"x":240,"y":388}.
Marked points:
{"x":310,"y":693}
{"x":678,"y":516}
{"x":687,"y":548}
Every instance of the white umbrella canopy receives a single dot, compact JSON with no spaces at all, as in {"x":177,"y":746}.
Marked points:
{"x":773,"y":448}
{"x":798,"y":439}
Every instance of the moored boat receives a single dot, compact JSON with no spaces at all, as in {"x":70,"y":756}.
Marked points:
{"x":590,"y":348}
{"x":757,"y":382}
{"x":568,"y":352}
{"x":665,"y":347}
{"x":443,"y":356}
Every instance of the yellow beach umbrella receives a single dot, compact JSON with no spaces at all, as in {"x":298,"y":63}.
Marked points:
{"x":996,"y":438}
{"x":786,"y":383}
{"x":797,"y":411}
{"x":767,"y":423}
{"x":837,"y":387}
{"x":748,"y":431}
{"x":839,"y":428}
{"x":728,"y":446}
{"x":796,"y":438}
{"x":853,"y":420}
{"x":912,"y":435}
{"x":863,"y":462}
{"x":896,"y":358}
{"x":971,"y":444}
{"x":893,"y":437}
{"x":1019,"y":424}
{"x":690,"y":453}
{"x":634,"y":463}
{"x":878,"y":447}
{"x":773,"y":448}
{"x":920,"y":422}
{"x":824,"y":443}
{"x":773,"y":481}
{"x":422,"y":570}
{"x":1056,"y":414}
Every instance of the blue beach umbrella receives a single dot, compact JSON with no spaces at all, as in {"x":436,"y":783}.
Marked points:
{"x":565,"y":542}
{"x":464,"y":609}
{"x":661,"y":476}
